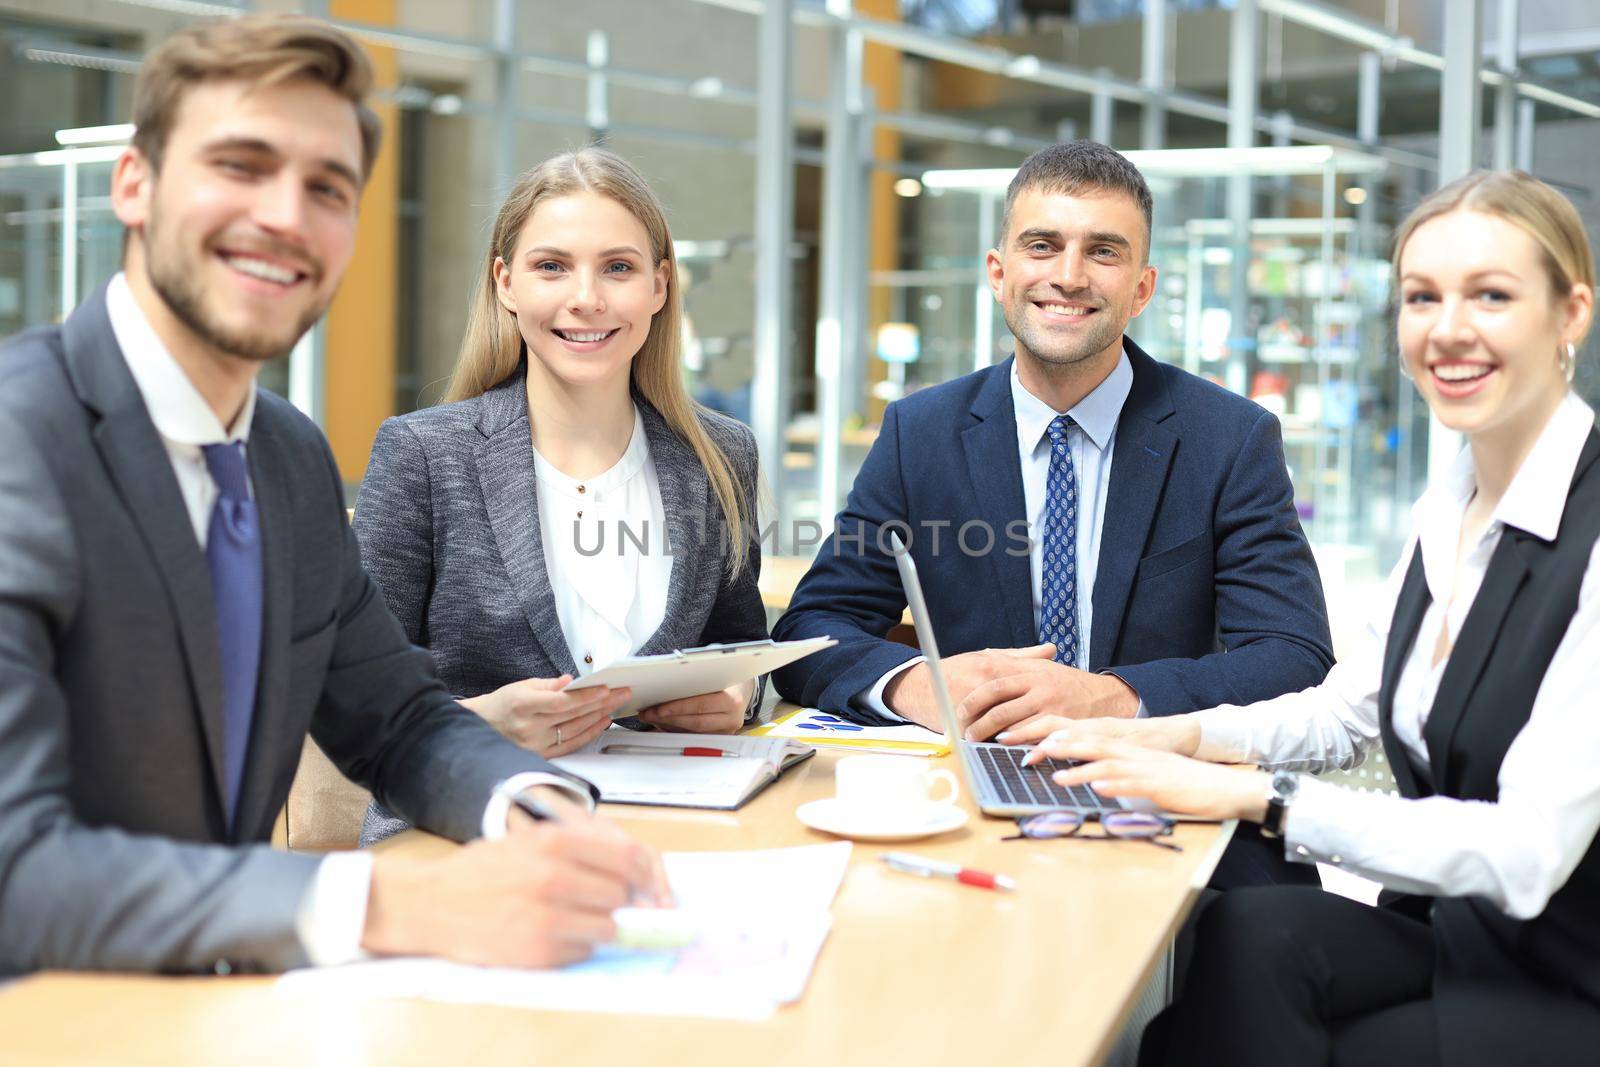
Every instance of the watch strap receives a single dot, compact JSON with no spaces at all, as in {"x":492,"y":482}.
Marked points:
{"x":1272,"y":823}
{"x":1283,"y":788}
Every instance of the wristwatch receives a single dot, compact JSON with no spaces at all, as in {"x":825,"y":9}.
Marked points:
{"x":1280,"y":794}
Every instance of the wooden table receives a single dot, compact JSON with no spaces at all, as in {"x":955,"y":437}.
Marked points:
{"x":915,"y":972}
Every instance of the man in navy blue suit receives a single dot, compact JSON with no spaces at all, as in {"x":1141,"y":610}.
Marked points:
{"x":1097,"y":533}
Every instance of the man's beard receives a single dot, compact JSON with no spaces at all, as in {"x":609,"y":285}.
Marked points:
{"x":180,"y":290}
{"x":1059,"y":352}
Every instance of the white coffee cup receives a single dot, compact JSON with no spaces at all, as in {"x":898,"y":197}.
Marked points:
{"x":884,"y":784}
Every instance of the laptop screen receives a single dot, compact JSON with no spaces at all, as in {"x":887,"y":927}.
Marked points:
{"x":930,"y":648}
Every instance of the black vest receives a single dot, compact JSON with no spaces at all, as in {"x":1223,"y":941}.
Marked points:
{"x":1520,"y":615}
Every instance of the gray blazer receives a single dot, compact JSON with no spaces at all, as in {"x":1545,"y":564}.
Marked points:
{"x":115,"y":852}
{"x":448,"y":520}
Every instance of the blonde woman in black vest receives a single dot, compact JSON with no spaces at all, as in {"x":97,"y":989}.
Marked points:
{"x":1479,"y":675}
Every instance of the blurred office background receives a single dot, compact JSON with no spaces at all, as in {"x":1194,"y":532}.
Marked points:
{"x":834,"y":172}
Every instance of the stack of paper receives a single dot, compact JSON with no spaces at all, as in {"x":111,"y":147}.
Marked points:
{"x":824,"y":730}
{"x":762,"y":915}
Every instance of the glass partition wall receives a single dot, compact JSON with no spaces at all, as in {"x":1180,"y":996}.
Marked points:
{"x":58,"y":237}
{"x":886,"y":294}
{"x":59,"y":241}
{"x":1292,"y":311}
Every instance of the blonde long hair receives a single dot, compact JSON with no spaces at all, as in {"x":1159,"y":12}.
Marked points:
{"x":492,"y":348}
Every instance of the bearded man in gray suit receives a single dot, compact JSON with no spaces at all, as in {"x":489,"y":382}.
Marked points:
{"x":181,"y":598}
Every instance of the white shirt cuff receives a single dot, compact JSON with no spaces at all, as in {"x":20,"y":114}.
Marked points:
{"x":499,"y":806}
{"x":1311,"y":825}
{"x":1224,"y":737}
{"x":333,"y":912}
{"x":872,"y":699}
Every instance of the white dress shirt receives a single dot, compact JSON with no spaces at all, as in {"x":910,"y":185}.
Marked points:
{"x":181,"y":415}
{"x":1520,"y":849}
{"x":610,"y":593}
{"x":333,"y":913}
{"x":1091,"y":440}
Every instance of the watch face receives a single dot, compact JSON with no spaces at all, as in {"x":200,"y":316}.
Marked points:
{"x":1285,"y":785}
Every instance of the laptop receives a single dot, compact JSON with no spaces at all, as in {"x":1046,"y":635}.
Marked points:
{"x":994,"y":773}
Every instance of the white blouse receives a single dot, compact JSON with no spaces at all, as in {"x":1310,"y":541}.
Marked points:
{"x":605,"y":551}
{"x":1517,"y":851}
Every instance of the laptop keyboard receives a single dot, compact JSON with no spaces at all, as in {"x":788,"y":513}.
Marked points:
{"x":1017,"y":784}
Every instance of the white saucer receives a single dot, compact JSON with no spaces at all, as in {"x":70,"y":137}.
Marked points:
{"x":865,"y":824}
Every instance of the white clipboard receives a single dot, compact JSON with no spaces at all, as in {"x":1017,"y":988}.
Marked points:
{"x":691,"y":671}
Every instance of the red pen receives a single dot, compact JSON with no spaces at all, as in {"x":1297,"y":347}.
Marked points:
{"x":651,"y":750}
{"x":906,"y":862}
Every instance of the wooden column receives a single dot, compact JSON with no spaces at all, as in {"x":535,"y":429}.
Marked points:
{"x":882,"y":76}
{"x":359,"y":354}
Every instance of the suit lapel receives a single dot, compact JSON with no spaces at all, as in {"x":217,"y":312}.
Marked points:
{"x":1139,"y":465}
{"x":141,"y":470}
{"x":691,"y":514}
{"x":273,"y":720}
{"x":508,"y":480}
{"x":1508,"y":569}
{"x":996,"y":475}
{"x":1409,"y":609}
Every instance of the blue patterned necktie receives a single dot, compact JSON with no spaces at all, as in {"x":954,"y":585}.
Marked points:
{"x":1058,"y":565}
{"x":233,"y":552}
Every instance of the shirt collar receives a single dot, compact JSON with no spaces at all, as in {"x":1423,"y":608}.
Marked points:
{"x":176,"y":407}
{"x":1537,"y":496}
{"x":1096,"y":414}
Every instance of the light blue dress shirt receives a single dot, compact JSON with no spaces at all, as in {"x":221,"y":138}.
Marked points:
{"x":1092,"y":441}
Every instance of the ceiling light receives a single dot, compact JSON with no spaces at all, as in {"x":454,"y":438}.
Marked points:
{"x":118,"y":134}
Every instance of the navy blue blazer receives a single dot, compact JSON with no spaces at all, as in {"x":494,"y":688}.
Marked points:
{"x":1206,"y":591}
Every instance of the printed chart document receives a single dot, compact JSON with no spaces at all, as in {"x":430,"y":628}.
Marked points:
{"x":633,"y":767}
{"x":819,"y":728}
{"x":761,"y":916}
{"x":691,"y":671}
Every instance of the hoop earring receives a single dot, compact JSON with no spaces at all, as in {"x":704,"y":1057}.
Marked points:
{"x":1569,"y":361}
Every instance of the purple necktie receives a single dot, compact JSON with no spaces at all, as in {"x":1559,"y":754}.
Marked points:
{"x":233,"y":551}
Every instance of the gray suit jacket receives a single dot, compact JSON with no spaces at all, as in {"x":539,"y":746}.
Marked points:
{"x":448,"y":520}
{"x":115,"y":852}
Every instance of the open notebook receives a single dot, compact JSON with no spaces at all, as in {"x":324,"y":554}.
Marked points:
{"x":664,"y":777}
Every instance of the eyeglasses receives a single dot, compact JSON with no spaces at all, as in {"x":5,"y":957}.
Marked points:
{"x":1118,"y":826}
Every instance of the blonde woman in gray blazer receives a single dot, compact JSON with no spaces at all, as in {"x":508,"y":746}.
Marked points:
{"x":569,"y":503}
